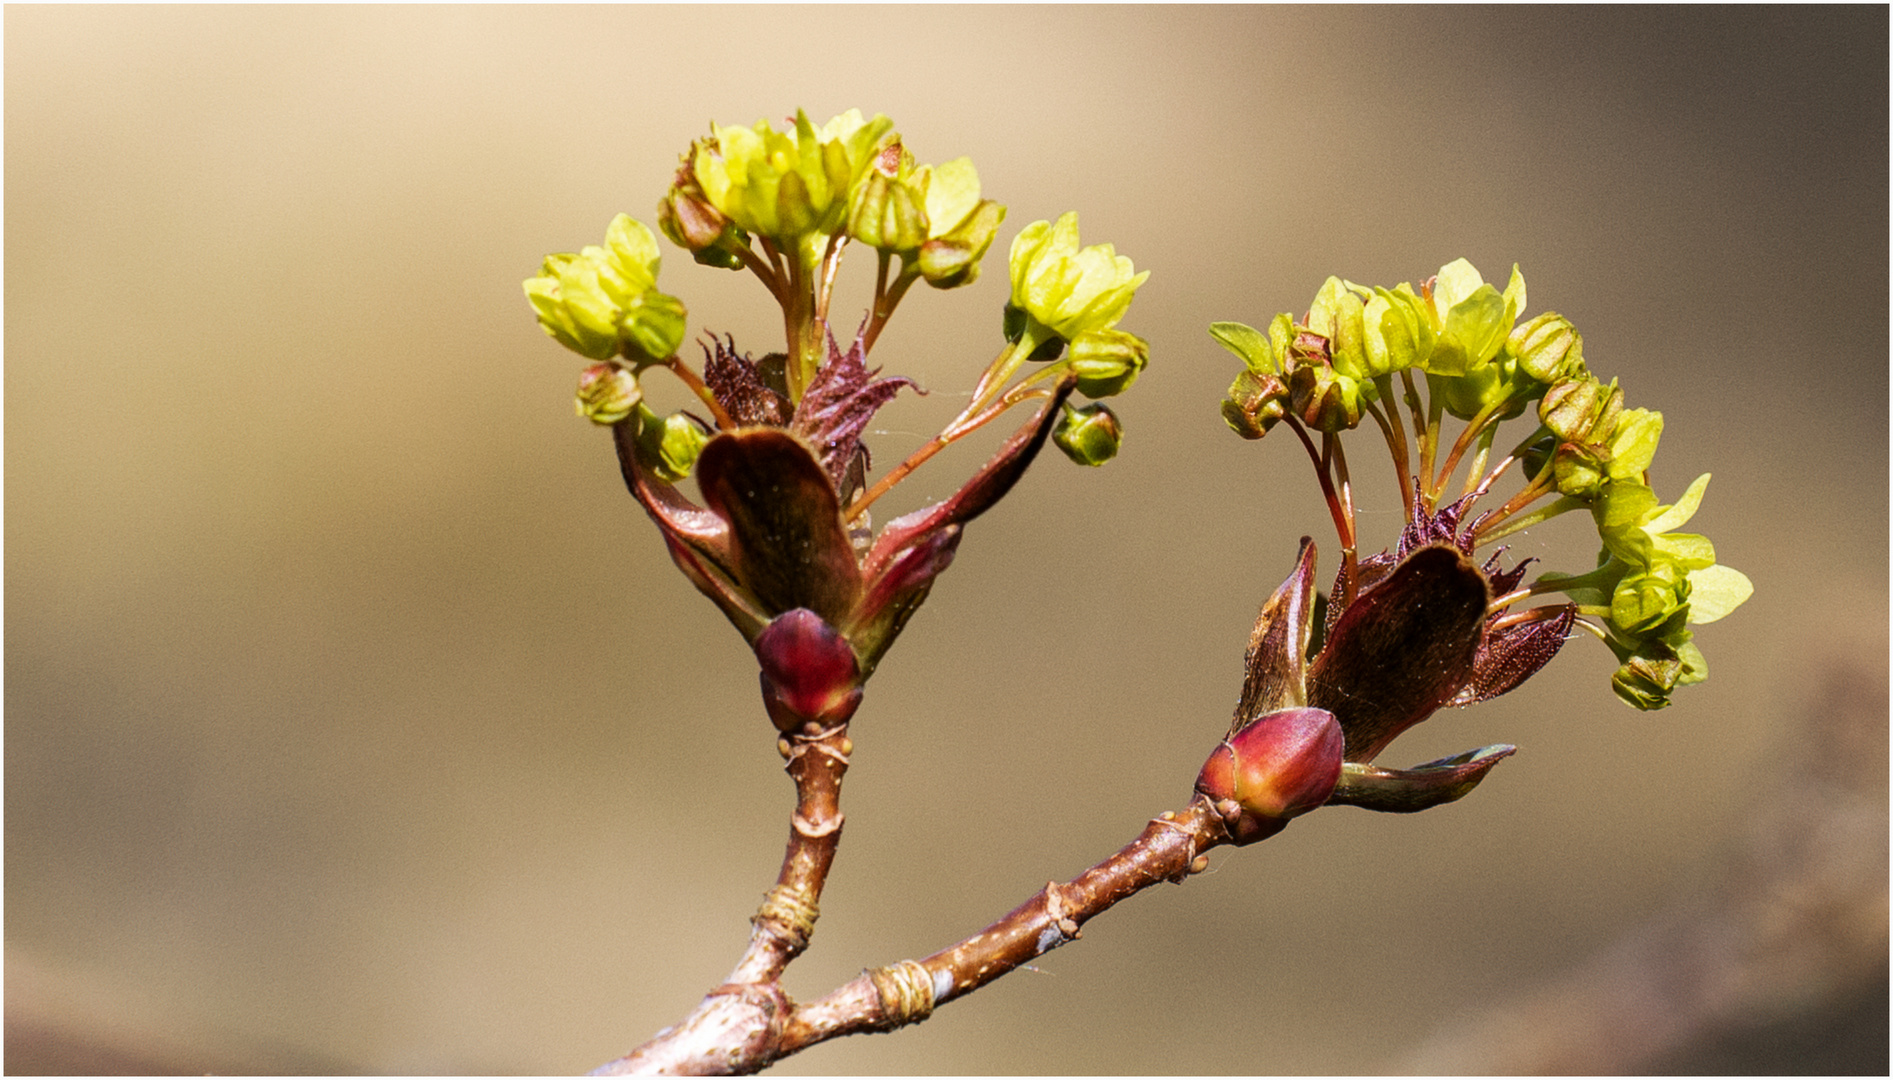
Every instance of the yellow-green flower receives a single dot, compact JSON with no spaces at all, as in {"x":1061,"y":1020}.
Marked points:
{"x":932,"y":214}
{"x":1066,"y":289}
{"x":602,"y":302}
{"x":785,"y":185}
{"x":1473,"y":318}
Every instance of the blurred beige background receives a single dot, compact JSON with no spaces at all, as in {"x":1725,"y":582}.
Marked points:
{"x":356,"y":720}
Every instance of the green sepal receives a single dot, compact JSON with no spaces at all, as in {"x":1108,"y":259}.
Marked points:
{"x":1714,"y":591}
{"x":1263,"y":354}
{"x":1337,"y":315}
{"x":1400,"y":330}
{"x":1012,"y":322}
{"x":653,"y":326}
{"x":1633,"y":443}
{"x":952,"y":259}
{"x":952,"y":193}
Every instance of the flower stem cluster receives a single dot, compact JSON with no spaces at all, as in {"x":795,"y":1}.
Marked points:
{"x":776,"y":447}
{"x":1408,"y":358}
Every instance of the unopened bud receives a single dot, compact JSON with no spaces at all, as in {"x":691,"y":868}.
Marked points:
{"x":1642,"y":601}
{"x":1581,"y":410}
{"x":1107,"y":362}
{"x":607,"y":394}
{"x":1647,"y":676}
{"x":1089,"y":436}
{"x":1255,"y":403}
{"x":1580,"y":469}
{"x":951,"y":260}
{"x":886,"y":214}
{"x":1324,"y":399}
{"x":1280,"y":766}
{"x":668,"y":446}
{"x":810,"y":677}
{"x":686,"y":215}
{"x":1549,"y":348}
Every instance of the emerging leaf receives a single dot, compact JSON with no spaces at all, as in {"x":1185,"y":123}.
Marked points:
{"x":1402,"y":649}
{"x":836,"y":408}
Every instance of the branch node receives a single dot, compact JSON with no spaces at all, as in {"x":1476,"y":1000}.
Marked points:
{"x":791,"y":912}
{"x":1168,"y":820}
{"x":814,"y":830}
{"x":906,"y":993}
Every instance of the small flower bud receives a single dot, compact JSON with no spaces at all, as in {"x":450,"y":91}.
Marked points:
{"x":1107,"y":362}
{"x":1326,"y":400}
{"x":1549,"y":348}
{"x":1633,"y":443}
{"x":1580,"y":470}
{"x":1255,"y":403}
{"x":1582,"y":410}
{"x":668,"y":446}
{"x":1641,"y":602}
{"x":1280,"y":766}
{"x":607,"y":394}
{"x":810,"y":677}
{"x":1647,"y":676}
{"x":1466,"y":396}
{"x":887,"y":213}
{"x":1089,"y":436}
{"x":952,"y":259}
{"x":686,"y":215}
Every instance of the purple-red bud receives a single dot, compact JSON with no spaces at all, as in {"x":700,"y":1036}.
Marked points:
{"x":1281,"y":765}
{"x":810,"y":678}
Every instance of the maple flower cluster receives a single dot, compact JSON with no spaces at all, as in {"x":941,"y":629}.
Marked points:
{"x":1365,"y":353}
{"x":783,"y":542}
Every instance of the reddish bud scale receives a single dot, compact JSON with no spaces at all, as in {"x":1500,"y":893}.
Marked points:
{"x":1280,"y":766}
{"x":810,"y":677}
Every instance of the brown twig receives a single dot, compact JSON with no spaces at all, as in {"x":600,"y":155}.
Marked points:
{"x":737,"y":1026}
{"x":743,"y":1027}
